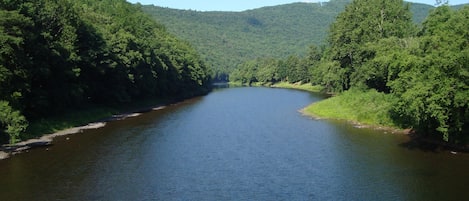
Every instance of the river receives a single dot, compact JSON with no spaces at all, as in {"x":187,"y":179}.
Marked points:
{"x":234,"y":144}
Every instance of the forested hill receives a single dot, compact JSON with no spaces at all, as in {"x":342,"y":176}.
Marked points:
{"x":226,"y":39}
{"x":57,"y":55}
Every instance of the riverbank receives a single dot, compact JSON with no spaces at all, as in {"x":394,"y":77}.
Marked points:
{"x":364,"y":109}
{"x":371,"y":109}
{"x":72,"y":125}
{"x":300,"y":86}
{"x":284,"y":85}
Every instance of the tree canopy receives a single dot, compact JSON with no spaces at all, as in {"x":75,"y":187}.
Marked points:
{"x":62,"y":54}
{"x":373,"y":45}
{"x":227,"y":39}
{"x":420,"y":70}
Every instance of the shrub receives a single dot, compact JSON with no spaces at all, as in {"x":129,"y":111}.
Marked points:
{"x":12,"y":122}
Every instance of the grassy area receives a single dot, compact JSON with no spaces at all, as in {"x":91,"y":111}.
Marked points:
{"x":285,"y":85}
{"x":365,"y":107}
{"x":305,"y":87}
{"x":74,"y":118}
{"x":236,"y":84}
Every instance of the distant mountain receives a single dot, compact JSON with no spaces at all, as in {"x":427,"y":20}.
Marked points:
{"x":226,"y":39}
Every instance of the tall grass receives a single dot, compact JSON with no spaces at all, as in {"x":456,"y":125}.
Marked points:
{"x":305,"y":87}
{"x":365,"y":107}
{"x":285,"y":85}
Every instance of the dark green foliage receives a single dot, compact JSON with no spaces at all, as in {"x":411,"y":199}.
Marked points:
{"x":12,"y":122}
{"x":389,"y":54}
{"x":426,"y":70}
{"x":246,"y":73}
{"x":14,"y":29}
{"x":57,"y":55}
{"x":293,"y":69}
{"x":434,"y":88}
{"x":330,"y":75}
{"x":362,"y":22}
{"x":227,"y":39}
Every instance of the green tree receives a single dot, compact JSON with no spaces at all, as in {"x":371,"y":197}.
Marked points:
{"x":268,"y":71}
{"x":298,"y":69}
{"x":390,"y":57}
{"x":62,"y":55}
{"x":362,"y":22}
{"x":434,"y":93}
{"x":330,"y":75}
{"x":13,"y":57}
{"x":12,"y":122}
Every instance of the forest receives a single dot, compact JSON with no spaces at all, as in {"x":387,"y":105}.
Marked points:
{"x":58,"y":56}
{"x":63,"y":55}
{"x":377,"y":55}
{"x":228,"y":39}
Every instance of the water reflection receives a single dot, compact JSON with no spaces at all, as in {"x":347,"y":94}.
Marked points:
{"x":234,"y":144}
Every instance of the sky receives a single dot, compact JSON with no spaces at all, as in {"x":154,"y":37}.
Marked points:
{"x":241,"y":5}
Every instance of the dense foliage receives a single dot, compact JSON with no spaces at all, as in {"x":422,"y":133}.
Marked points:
{"x":228,"y":39}
{"x":293,"y":69}
{"x":57,"y":55}
{"x":433,"y":80}
{"x":419,"y":72}
{"x":362,"y":23}
{"x":426,"y":70}
{"x":14,"y":123}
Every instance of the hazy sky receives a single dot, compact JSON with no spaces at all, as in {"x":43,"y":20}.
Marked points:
{"x":240,"y":5}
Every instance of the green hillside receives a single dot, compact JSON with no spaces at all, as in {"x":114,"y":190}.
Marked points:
{"x":62,"y":57}
{"x":227,"y":39}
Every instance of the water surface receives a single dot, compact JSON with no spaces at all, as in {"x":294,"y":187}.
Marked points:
{"x":234,"y":144}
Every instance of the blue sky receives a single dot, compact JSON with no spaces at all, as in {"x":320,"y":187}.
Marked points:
{"x":240,"y":5}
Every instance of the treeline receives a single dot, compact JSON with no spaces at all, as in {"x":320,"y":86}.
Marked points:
{"x":227,"y":39}
{"x":57,"y":55}
{"x":293,"y":69}
{"x":373,"y":45}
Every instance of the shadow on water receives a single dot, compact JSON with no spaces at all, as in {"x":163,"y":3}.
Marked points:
{"x":431,"y":144}
{"x":235,"y":144}
{"x":417,"y":143}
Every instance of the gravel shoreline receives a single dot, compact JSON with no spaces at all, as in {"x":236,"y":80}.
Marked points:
{"x":7,"y":151}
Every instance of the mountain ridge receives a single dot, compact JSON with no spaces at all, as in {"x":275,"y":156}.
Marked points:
{"x":227,"y":39}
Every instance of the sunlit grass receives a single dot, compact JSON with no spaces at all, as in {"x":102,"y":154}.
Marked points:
{"x":305,"y":87}
{"x":365,"y":107}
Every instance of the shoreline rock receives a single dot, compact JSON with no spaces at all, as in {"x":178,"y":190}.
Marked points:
{"x":6,"y":151}
{"x":46,"y":140}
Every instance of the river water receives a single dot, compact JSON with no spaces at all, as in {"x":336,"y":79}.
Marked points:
{"x":234,"y":144}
